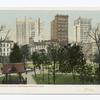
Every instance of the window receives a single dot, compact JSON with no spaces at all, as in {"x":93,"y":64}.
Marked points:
{"x":7,"y":44}
{"x":4,"y":45}
{"x":4,"y":49}
{"x":3,"y":54}
{"x":7,"y":49}
{"x":7,"y":54}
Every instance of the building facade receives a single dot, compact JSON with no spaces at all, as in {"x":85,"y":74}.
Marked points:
{"x":5,"y":49}
{"x":43,"y":45}
{"x":24,"y":30}
{"x":28,"y":31}
{"x":82,"y":27}
{"x":59,"y":29}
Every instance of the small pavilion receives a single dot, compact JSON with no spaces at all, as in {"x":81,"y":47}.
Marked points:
{"x":12,"y":69}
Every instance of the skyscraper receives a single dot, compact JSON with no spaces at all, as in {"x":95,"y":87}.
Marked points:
{"x":24,"y":30}
{"x":59,"y":29}
{"x":82,"y":27}
{"x":38,"y":30}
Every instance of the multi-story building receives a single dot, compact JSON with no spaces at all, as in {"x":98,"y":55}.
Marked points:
{"x":41,"y":45}
{"x":24,"y":30}
{"x":59,"y":29}
{"x":28,"y":31}
{"x":5,"y":49}
{"x":82,"y":27}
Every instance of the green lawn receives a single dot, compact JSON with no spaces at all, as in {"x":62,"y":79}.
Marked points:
{"x":29,"y":65}
{"x":1,"y":78}
{"x":13,"y":78}
{"x":60,"y":79}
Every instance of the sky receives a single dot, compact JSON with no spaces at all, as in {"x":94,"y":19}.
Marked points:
{"x":8,"y":18}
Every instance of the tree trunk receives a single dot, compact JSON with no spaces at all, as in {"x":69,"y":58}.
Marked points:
{"x":99,"y":74}
{"x":40,"y":69}
{"x":6,"y":78}
{"x":20,"y":76}
{"x":43,"y":72}
{"x":35,"y":71}
{"x":74,"y":76}
{"x":54,"y":72}
{"x":48,"y":76}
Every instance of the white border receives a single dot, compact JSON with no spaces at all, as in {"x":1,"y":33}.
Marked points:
{"x":52,"y":8}
{"x":50,"y":89}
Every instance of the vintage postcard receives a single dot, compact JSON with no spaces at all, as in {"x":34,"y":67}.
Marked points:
{"x":50,"y":51}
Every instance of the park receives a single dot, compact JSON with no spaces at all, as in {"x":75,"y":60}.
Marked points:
{"x":60,"y":65}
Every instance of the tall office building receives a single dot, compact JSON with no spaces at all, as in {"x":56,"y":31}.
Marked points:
{"x":24,"y":30}
{"x":39,"y":31}
{"x":28,"y":31}
{"x":59,"y":29}
{"x":82,"y":27}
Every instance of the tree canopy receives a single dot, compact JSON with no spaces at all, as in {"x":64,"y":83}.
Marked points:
{"x":15,"y":55}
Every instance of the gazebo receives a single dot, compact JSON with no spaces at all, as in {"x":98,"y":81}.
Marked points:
{"x":13,"y":68}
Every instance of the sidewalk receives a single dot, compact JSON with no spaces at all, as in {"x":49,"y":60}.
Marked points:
{"x":29,"y":77}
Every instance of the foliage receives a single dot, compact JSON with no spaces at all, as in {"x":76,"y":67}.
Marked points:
{"x":95,"y":35}
{"x":87,"y":73}
{"x":53,"y":52}
{"x":25,"y":52}
{"x":15,"y":55}
{"x":60,"y":79}
{"x":70,"y":58}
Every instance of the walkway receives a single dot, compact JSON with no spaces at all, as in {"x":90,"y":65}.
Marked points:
{"x":29,"y":77}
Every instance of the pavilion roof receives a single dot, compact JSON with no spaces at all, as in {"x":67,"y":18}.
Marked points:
{"x":13,"y":68}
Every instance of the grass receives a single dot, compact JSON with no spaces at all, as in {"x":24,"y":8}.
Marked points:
{"x":60,"y":79}
{"x":29,"y":65}
{"x":14,"y":78}
{"x":1,"y":78}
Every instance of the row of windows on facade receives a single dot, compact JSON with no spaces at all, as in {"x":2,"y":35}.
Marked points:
{"x":85,"y":33}
{"x":64,"y":30}
{"x":85,"y":22}
{"x":63,"y":36}
{"x":62,"y":20}
{"x":85,"y":27}
{"x":62,"y":23}
{"x":37,"y":47}
{"x":4,"y":49}
{"x":4,"y":54}
{"x":62,"y":26}
{"x":6,"y":45}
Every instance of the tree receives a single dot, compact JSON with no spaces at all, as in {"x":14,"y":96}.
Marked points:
{"x":15,"y":55}
{"x":87,"y":73}
{"x":95,"y":35}
{"x":43,"y":59}
{"x":76,"y":58}
{"x":36,"y":60}
{"x":25,"y":52}
{"x":70,"y":58}
{"x":62,"y":59}
{"x":52,"y":50}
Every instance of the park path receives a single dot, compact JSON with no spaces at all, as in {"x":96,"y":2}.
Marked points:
{"x":30,"y":79}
